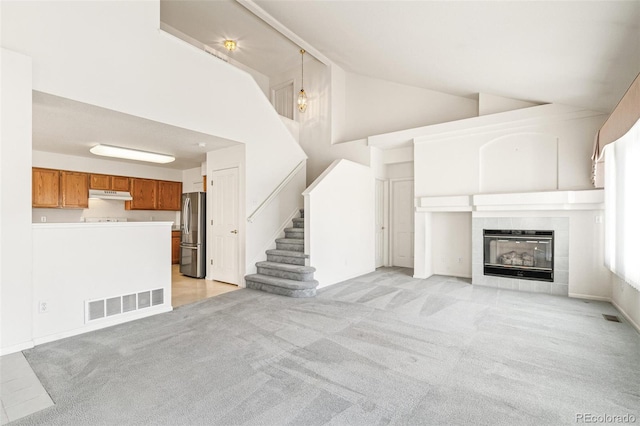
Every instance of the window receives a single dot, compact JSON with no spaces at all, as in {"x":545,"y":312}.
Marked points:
{"x":622,"y":206}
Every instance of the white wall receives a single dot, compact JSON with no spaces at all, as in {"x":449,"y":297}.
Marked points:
{"x":192,"y":180}
{"x":450,"y":163}
{"x":626,"y":299}
{"x":492,"y":104}
{"x":67,"y":256}
{"x":261,"y":79}
{"x":376,"y":106}
{"x":148,"y":73}
{"x":451,"y":244}
{"x":270,"y":222}
{"x":16,"y":308}
{"x":340,"y":223}
{"x":344,"y":109}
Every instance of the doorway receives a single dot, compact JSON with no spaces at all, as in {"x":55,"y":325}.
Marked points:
{"x":402,"y":223}
{"x":224,"y":227}
{"x":382,"y":226}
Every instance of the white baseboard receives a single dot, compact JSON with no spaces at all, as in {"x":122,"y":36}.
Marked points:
{"x":160,"y":309}
{"x":635,"y":325}
{"x":589,"y":297}
{"x":16,"y":348}
{"x":627,"y":317}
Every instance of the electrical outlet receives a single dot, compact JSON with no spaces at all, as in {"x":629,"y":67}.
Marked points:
{"x":43,"y":307}
{"x":43,"y":219}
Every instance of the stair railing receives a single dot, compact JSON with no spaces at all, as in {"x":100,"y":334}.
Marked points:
{"x":276,"y":191}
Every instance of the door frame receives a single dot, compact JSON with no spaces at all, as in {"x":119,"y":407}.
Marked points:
{"x":385,"y":221}
{"x":241,"y":222}
{"x":391,"y":230}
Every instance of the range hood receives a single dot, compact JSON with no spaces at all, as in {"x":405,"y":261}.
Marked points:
{"x":110,"y":195}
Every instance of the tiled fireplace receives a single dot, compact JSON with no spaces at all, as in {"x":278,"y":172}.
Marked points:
{"x":521,"y":253}
{"x":518,"y":253}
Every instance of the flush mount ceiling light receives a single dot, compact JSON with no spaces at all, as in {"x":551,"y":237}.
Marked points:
{"x":131,"y":154}
{"x":230,"y":45}
{"x":302,"y":97}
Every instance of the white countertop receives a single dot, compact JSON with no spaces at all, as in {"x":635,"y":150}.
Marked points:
{"x":103,"y":225}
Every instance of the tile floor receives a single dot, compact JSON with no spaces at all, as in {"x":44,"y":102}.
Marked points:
{"x":21,"y":393}
{"x":186,"y":290}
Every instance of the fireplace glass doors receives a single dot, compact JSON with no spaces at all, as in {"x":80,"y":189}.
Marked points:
{"x":521,"y":254}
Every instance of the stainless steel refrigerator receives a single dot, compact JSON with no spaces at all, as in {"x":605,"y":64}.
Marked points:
{"x":192,"y":234}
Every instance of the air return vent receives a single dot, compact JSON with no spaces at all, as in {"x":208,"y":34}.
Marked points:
{"x":117,"y":305}
{"x":612,"y":318}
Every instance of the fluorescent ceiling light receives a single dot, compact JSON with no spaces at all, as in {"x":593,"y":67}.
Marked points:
{"x":131,"y":154}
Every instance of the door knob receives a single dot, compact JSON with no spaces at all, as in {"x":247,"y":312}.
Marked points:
{"x":235,"y":231}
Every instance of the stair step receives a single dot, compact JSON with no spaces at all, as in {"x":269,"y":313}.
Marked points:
{"x":286,"y":256}
{"x":298,"y":222}
{"x":281,"y":286}
{"x":294,"y":233}
{"x":285,"y":270}
{"x":292,"y":244}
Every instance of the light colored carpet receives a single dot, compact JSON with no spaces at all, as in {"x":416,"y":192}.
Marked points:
{"x":384,"y":348}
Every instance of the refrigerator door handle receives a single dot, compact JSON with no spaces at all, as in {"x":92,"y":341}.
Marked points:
{"x":187,"y":216}
{"x":190,"y":247}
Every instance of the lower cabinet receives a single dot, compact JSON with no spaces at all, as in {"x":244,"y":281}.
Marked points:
{"x":175,"y":247}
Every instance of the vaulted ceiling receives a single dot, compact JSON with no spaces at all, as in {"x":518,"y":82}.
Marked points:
{"x":582,"y":53}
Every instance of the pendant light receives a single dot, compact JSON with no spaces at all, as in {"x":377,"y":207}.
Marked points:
{"x":302,"y":97}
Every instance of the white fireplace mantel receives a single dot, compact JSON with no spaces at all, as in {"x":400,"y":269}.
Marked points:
{"x":525,"y":201}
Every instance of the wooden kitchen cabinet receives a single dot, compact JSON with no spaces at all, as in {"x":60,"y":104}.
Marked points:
{"x":149,"y":194}
{"x":119,"y":183}
{"x":99,"y":181}
{"x":169,"y":195}
{"x":175,"y":247}
{"x":144,"y":193}
{"x":74,"y":190}
{"x":107,"y":182}
{"x":45,"y":189}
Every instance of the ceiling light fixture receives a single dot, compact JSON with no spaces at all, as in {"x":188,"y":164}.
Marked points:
{"x":230,"y":45}
{"x":131,"y":154}
{"x":302,"y":97}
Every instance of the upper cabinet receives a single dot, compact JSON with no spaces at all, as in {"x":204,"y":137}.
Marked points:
{"x":74,"y":190}
{"x":169,"y":195}
{"x":151,"y":194}
{"x":107,"y":182}
{"x":56,"y":188}
{"x":65,"y":189}
{"x":45,"y":189}
{"x":144,"y":193}
{"x":119,"y":183}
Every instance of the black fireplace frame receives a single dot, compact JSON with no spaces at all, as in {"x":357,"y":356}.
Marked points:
{"x":519,"y":272}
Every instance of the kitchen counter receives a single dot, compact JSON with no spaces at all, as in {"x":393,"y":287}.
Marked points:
{"x":94,"y":275}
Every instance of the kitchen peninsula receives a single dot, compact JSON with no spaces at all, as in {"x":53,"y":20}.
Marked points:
{"x":88,"y":276}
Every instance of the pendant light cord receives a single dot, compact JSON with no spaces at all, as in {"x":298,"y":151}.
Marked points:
{"x":302,"y":51}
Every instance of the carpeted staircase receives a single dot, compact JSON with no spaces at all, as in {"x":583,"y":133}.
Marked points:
{"x":284,"y":271}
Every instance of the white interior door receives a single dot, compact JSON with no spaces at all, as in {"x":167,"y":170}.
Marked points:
{"x":402,"y":223}
{"x":224,"y":225}
{"x":379,"y":223}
